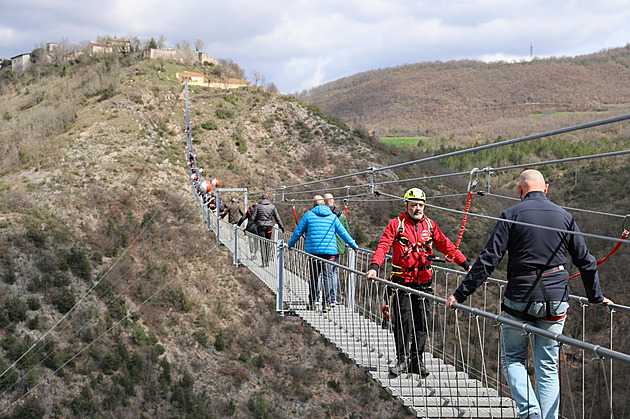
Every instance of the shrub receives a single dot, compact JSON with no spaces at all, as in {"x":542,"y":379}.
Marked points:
{"x":241,"y":143}
{"x":335,"y":385}
{"x":63,"y":299}
{"x":36,"y":236}
{"x":110,"y":363}
{"x":209,"y":125}
{"x":106,"y":93}
{"x":223,"y":113}
{"x":33,"y":323}
{"x":219,"y":340}
{"x":201,"y":337}
{"x":15,"y":308}
{"x":30,"y":409}
{"x":84,"y":404}
{"x":33,"y":303}
{"x":258,"y":406}
{"x":10,"y":377}
{"x":9,"y":272}
{"x":78,"y":263}
{"x":139,"y":333}
{"x":117,"y":309}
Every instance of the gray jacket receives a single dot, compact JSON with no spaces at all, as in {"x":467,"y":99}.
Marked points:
{"x":265,"y":213}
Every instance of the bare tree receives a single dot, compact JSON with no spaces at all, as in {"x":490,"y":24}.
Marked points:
{"x":161,"y":42}
{"x":135,"y":42}
{"x":256,"y":77}
{"x":184,"y":45}
{"x":199,"y":45}
{"x":272,"y":88}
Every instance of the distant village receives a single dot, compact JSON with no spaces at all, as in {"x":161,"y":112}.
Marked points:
{"x":22,"y":62}
{"x":53,"y":53}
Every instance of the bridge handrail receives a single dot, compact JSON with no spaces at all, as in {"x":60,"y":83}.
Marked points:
{"x":597,"y":349}
{"x":577,"y":298}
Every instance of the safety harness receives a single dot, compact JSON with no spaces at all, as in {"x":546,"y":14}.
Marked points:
{"x":425,"y":248}
{"x":524,"y":315}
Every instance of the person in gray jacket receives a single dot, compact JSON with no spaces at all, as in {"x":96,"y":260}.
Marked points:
{"x":264,"y":216}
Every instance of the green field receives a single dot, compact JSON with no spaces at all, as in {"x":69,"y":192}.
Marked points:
{"x":403,"y":141}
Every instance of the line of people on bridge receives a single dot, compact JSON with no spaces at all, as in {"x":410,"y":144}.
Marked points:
{"x":537,"y":290}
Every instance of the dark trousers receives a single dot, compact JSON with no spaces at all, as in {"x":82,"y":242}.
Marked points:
{"x":411,"y":316}
{"x":265,"y":251}
{"x":315,"y":267}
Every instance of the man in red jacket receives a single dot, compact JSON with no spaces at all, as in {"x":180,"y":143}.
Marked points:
{"x":413,"y":236}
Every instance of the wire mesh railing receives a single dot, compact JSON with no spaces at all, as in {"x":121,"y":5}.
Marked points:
{"x":463,"y":347}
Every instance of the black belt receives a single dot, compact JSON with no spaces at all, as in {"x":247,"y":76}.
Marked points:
{"x":535,"y":272}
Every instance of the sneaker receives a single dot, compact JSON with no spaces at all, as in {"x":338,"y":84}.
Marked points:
{"x":399,"y":368}
{"x":326,"y":309}
{"x":310,"y":307}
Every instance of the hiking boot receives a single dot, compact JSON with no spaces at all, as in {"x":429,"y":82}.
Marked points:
{"x":422,"y":370}
{"x":326,"y":309}
{"x":399,"y":368}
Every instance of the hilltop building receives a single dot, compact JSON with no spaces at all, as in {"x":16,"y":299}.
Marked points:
{"x":181,"y":55}
{"x":110,"y":46}
{"x":199,"y":79}
{"x":22,"y":62}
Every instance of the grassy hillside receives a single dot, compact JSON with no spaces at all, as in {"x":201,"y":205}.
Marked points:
{"x":471,"y":98}
{"x":94,"y":195}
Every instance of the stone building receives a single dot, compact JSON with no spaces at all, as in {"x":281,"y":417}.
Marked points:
{"x":110,"y":46}
{"x":180,"y":55}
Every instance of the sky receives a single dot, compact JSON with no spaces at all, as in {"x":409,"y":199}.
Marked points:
{"x":300,"y":44}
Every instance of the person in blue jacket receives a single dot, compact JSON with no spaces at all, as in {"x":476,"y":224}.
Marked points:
{"x":320,"y":227}
{"x":537,"y":290}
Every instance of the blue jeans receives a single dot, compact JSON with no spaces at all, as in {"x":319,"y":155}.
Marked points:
{"x":546,"y":400}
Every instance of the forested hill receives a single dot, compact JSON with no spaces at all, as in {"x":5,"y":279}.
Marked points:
{"x":470,"y":96}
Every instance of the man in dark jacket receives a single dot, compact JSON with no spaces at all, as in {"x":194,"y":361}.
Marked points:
{"x":412,"y":235}
{"x":251,"y":228}
{"x":264,"y":215}
{"x":538,"y":288}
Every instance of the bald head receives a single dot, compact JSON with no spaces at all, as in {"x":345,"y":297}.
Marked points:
{"x":530,"y":181}
{"x":318,"y":200}
{"x":330,"y":201}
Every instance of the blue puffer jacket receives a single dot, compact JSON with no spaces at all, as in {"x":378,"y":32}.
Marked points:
{"x":319,"y":226}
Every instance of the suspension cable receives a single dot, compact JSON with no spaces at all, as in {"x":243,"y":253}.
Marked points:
{"x":464,"y":151}
{"x":455,"y":174}
{"x":487,"y":217}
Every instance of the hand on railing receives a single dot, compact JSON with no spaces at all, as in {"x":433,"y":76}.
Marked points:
{"x":370,"y":274}
{"x":450,"y":301}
